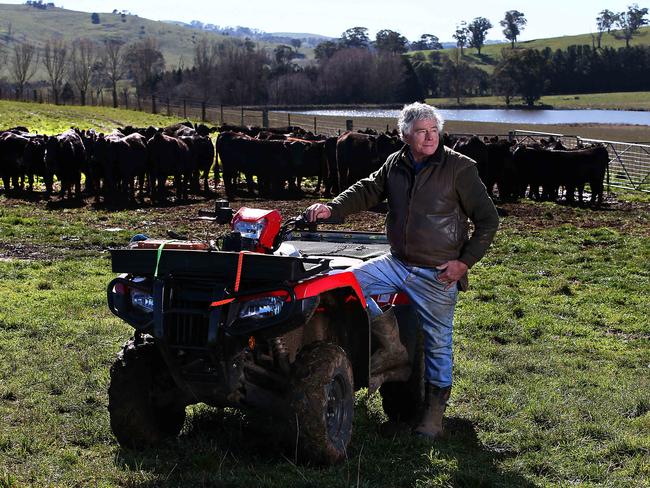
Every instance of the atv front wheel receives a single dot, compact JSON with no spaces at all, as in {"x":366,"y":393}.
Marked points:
{"x":143,"y":400}
{"x":402,"y":401}
{"x":322,"y":403}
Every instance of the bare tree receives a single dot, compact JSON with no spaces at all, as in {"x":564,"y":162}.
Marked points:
{"x":55,"y":60}
{"x":206,"y":54}
{"x":114,"y":66}
{"x":82,"y":63}
{"x":23,"y":64}
{"x":243,"y":72}
{"x":145,"y":63}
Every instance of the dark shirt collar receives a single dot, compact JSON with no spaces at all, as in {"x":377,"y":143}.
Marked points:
{"x":436,"y":157}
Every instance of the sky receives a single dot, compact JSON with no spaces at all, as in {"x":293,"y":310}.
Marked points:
{"x":411,"y":18}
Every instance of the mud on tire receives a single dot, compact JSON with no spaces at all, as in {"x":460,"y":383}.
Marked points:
{"x":402,"y":401}
{"x":143,"y":400}
{"x":322,"y":402}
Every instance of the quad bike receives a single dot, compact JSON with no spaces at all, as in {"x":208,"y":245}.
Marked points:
{"x":269,"y":317}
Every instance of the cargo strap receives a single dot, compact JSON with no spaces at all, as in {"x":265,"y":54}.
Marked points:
{"x":240,"y":263}
{"x":159,"y":254}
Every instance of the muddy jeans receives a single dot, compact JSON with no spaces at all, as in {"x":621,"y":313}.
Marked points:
{"x":434,"y":305}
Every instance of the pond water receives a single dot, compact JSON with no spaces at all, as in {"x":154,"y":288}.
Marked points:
{"x":511,"y":116}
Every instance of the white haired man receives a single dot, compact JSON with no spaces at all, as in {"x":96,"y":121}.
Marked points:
{"x":432,"y":193}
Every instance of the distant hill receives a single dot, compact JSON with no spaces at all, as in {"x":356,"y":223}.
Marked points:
{"x":23,"y":23}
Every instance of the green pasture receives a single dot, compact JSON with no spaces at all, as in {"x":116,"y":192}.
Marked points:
{"x":608,"y":101}
{"x":552,"y":353}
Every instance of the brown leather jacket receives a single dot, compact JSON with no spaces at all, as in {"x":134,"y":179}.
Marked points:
{"x":428,"y":212}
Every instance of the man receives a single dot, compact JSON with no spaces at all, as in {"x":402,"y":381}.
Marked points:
{"x":432,"y":192}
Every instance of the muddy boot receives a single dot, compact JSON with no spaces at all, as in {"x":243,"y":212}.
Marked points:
{"x":391,"y":353}
{"x":435,"y":403}
{"x":398,"y":373}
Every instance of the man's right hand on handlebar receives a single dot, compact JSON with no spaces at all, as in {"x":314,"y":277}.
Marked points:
{"x":317,"y":211}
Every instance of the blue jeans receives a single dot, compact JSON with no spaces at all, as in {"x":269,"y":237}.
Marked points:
{"x":433,"y":304}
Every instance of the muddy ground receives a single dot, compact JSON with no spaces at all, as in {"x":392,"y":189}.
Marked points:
{"x":162,"y":221}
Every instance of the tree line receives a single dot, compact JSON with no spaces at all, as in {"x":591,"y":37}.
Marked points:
{"x":350,"y":70}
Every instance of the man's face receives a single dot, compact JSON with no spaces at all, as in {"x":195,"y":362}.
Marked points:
{"x":423,"y":139}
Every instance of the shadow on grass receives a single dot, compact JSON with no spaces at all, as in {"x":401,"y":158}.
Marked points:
{"x":230,"y":448}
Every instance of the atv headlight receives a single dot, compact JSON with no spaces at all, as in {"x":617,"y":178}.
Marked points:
{"x":142,"y":300}
{"x":252,"y":230}
{"x":261,"y":308}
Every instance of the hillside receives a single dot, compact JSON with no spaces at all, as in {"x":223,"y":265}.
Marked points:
{"x":19,"y":23}
{"x":490,"y":53}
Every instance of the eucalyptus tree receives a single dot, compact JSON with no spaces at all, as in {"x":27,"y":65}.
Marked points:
{"x":513,"y":23}
{"x":629,"y":22}
{"x":477,"y":29}
{"x":604,"y":22}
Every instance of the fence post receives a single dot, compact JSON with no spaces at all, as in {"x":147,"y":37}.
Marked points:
{"x":288,"y":120}
{"x":348,"y":124}
{"x":153,"y":104}
{"x":221,"y":115}
{"x":184,"y":109}
{"x":511,"y":135}
{"x":126,"y":100}
{"x":203,"y":111}
{"x":315,"y":131}
{"x":169,"y":112}
{"x":35,"y":96}
{"x":242,"y":117}
{"x":265,"y":118}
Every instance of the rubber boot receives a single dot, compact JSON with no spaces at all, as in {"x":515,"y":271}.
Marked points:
{"x":391,"y":353}
{"x":435,"y":403}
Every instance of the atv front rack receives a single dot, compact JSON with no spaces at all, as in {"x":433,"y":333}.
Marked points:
{"x":218,"y":265}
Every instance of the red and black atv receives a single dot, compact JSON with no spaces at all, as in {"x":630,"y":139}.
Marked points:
{"x":270,"y":318}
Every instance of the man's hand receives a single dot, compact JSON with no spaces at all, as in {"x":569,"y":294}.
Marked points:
{"x":318,"y":211}
{"x":452,"y":271}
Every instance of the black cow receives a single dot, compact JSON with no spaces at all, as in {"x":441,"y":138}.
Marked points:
{"x":477,"y":150}
{"x":168,"y":156}
{"x":34,"y":162}
{"x":65,"y":157}
{"x":12,"y":148}
{"x":500,"y":169}
{"x":358,"y":155}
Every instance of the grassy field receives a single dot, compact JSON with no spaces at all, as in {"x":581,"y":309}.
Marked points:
{"x":552,"y":353}
{"x":610,"y":101}
{"x":551,"y":385}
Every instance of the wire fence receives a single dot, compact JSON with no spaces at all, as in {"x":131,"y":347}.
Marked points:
{"x":629,"y":164}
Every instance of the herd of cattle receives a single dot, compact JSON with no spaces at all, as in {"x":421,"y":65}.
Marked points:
{"x":271,"y":161}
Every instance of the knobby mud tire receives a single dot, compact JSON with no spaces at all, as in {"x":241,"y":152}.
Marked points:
{"x":143,"y":401}
{"x":322,"y":401}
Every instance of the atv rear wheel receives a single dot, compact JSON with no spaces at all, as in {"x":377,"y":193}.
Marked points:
{"x":322,"y":401}
{"x":143,"y":400}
